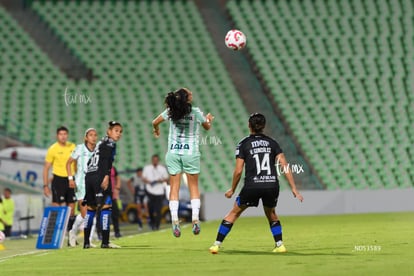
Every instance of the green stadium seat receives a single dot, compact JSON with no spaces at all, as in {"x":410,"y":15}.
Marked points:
{"x":134,"y":67}
{"x":345,"y":73}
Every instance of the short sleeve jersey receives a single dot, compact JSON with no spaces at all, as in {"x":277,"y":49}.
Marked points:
{"x":183,"y":137}
{"x":1,"y":217}
{"x":139,"y":185}
{"x":259,"y":153}
{"x":153,"y":174}
{"x":102,"y":157}
{"x":58,"y":155}
{"x":81,"y":154}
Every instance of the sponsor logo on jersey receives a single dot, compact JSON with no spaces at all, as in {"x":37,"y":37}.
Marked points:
{"x":179,"y":146}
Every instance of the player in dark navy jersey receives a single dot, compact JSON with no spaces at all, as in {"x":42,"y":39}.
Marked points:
{"x":258,"y":154}
{"x":98,"y":186}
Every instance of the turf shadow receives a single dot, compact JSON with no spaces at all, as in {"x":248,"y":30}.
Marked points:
{"x":289,"y":253}
{"x":247,"y":252}
{"x":148,"y":247}
{"x":311,"y":254}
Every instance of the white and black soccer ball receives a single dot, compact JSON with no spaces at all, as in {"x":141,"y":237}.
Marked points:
{"x":235,"y":40}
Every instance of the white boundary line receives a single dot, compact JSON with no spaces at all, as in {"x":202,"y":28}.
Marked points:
{"x":23,"y":254}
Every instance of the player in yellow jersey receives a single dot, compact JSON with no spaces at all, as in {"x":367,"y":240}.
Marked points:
{"x":63,"y":194}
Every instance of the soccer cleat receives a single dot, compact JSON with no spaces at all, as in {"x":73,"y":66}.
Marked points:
{"x":91,"y":245}
{"x":279,"y":249}
{"x":118,"y":235}
{"x":86,"y":246}
{"x":72,"y":239}
{"x":112,"y":245}
{"x":196,"y":228}
{"x":214,"y":249}
{"x":176,"y":230}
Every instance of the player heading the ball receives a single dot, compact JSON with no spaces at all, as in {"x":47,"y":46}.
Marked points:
{"x":183,"y":154}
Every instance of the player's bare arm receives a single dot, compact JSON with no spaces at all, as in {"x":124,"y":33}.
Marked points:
{"x":207,"y":125}
{"x":46,"y":189}
{"x":105,"y":183}
{"x":289,"y":176}
{"x":237,"y":173}
{"x":155,"y":125}
{"x":70,"y":173}
{"x":118,"y":183}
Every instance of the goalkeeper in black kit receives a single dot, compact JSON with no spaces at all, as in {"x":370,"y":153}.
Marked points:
{"x":98,"y":187}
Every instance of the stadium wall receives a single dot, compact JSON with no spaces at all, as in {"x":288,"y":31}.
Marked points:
{"x":216,"y":206}
{"x":28,"y":213}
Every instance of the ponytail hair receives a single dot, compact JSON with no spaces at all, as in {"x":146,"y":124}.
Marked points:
{"x":177,"y":104}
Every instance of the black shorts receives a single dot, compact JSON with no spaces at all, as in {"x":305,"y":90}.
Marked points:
{"x":94,"y":195}
{"x":141,"y":199}
{"x":250,"y":197}
{"x":61,"y":193}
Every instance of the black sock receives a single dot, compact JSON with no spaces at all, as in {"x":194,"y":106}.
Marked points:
{"x":71,"y":222}
{"x":105,"y":236}
{"x":276,"y":229}
{"x":86,"y":234}
{"x":223,"y":230}
{"x":89,"y":222}
{"x":105,"y":220}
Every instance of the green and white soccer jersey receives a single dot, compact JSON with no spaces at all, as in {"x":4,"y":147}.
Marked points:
{"x":81,"y":154}
{"x":183,"y":143}
{"x":183,"y":138}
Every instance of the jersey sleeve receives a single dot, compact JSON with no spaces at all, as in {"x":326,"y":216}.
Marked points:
{"x":199,"y":116}
{"x":239,"y":151}
{"x":278,"y":149}
{"x":145,"y":172}
{"x":49,"y":155}
{"x":73,"y":146}
{"x":77,"y":152}
{"x":164,"y":114}
{"x":106,"y":159}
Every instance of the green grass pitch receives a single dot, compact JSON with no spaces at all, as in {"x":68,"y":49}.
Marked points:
{"x":365,"y":244}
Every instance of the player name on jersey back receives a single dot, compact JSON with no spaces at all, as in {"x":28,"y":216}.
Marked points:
{"x":259,"y":153}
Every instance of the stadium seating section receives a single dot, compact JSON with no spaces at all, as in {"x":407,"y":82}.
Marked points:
{"x":341,"y":72}
{"x":138,"y":51}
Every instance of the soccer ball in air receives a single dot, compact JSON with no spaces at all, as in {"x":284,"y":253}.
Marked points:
{"x":235,"y":40}
{"x":2,"y":237}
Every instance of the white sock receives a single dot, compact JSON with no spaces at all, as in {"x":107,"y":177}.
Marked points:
{"x":174,"y":210}
{"x":85,"y":222}
{"x":195,"y":205}
{"x":76,"y":224}
{"x":93,"y":229}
